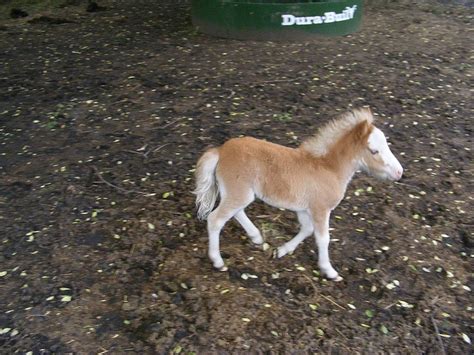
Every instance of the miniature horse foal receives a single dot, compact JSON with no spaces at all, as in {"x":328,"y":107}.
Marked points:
{"x":310,"y":180}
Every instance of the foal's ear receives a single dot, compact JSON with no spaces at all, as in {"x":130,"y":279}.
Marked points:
{"x":363,"y":130}
{"x":367,"y":110}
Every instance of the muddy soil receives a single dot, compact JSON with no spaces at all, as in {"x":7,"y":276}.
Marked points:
{"x":103,"y":116}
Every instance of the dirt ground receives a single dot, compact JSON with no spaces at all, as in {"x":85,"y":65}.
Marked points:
{"x":103,"y":116}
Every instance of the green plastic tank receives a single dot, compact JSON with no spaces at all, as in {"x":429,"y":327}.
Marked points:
{"x":276,"y":19}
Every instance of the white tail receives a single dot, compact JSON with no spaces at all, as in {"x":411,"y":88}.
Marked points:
{"x":206,"y":185}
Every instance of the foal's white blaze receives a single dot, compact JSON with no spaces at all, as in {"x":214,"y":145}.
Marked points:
{"x":380,"y":161}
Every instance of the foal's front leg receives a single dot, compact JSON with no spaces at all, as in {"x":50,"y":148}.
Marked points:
{"x":321,"y":234}
{"x":306,"y":229}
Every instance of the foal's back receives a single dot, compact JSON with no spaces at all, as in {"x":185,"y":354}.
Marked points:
{"x":276,"y":174}
{"x":254,"y":153}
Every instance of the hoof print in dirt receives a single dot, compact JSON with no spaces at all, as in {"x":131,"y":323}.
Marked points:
{"x":49,"y":20}
{"x":18,"y":13}
{"x":92,"y":6}
{"x":234,"y":274}
{"x":466,"y":239}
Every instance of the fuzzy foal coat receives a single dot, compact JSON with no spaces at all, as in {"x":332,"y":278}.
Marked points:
{"x":310,"y":180}
{"x":294,"y":179}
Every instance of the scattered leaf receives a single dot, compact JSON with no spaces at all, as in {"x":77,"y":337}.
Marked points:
{"x":405,"y":304}
{"x":466,"y":338}
{"x":369,"y":313}
{"x":66,"y":298}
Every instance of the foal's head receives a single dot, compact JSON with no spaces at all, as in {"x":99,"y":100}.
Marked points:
{"x":376,"y":157}
{"x":353,"y":134}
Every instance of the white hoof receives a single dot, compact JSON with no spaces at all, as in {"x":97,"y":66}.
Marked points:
{"x":281,"y":252}
{"x":331,"y":274}
{"x":258,"y":240}
{"x":338,"y":278}
{"x":218,"y":264}
{"x":222,"y":269}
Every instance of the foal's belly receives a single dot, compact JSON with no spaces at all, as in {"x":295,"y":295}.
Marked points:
{"x":288,"y":205}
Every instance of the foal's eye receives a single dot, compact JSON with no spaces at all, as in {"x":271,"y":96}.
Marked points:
{"x":374,"y":151}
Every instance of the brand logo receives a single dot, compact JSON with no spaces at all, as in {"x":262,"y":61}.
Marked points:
{"x":328,"y":17}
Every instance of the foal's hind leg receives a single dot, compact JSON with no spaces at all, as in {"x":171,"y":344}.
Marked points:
{"x":227,"y":209}
{"x":306,"y":230}
{"x":215,"y":223}
{"x":250,"y":229}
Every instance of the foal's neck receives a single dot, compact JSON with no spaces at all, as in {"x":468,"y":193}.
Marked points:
{"x":344,"y":164}
{"x":342,"y":160}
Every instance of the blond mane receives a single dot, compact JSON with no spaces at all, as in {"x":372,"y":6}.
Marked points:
{"x":328,"y":135}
